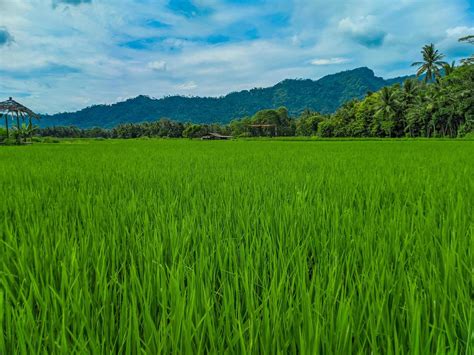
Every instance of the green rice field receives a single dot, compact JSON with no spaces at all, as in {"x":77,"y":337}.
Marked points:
{"x":242,"y":247}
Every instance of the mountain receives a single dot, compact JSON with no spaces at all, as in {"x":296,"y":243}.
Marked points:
{"x":324,"y":95}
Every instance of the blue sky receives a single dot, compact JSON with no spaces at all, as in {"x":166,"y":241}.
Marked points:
{"x":62,"y":55}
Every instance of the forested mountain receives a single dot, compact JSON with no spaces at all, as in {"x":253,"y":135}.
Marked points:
{"x":325,"y":95}
{"x":440,"y":107}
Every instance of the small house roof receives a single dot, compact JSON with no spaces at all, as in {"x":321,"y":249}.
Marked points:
{"x":219,"y":135}
{"x":12,"y":106}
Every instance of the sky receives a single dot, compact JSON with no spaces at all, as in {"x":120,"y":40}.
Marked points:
{"x":64,"y":55}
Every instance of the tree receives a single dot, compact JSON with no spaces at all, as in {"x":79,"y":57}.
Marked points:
{"x":343,"y":118}
{"x":388,"y":108}
{"x":432,"y":63}
{"x":410,"y":90}
{"x":326,"y":128}
{"x":307,"y":124}
{"x":194,"y":131}
{"x":364,"y":117}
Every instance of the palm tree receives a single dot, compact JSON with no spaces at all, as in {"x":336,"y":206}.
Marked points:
{"x":431,"y":64}
{"x":449,"y":68}
{"x":410,"y":90}
{"x":468,"y":39}
{"x":387,"y":108}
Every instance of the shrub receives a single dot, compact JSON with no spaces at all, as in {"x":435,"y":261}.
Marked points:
{"x":50,"y":140}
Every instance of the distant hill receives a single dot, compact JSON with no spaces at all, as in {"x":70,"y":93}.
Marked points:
{"x":324,"y":95}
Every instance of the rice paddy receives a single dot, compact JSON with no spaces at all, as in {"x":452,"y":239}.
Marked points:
{"x":176,"y":246}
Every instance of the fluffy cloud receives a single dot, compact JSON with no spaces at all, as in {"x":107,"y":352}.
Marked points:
{"x":109,"y":49}
{"x":158,"y":65}
{"x":459,"y":31}
{"x":450,"y":44}
{"x":190,"y":85}
{"x":363,"y":30}
{"x":329,"y":61}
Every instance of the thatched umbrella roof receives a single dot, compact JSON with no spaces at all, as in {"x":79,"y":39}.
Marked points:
{"x":11,"y":106}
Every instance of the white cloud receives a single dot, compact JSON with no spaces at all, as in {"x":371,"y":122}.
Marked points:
{"x":451,"y":46}
{"x":459,"y":31}
{"x":190,"y":85}
{"x":363,"y":29}
{"x":158,"y":65}
{"x":329,"y":61}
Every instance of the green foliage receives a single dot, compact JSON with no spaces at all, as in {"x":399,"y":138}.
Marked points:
{"x":364,"y":117}
{"x":326,"y":128}
{"x":444,"y":108}
{"x":9,"y":141}
{"x":468,"y":134}
{"x":241,"y":127}
{"x":163,"y":128}
{"x":274,"y":122}
{"x":50,"y":140}
{"x":3,"y":134}
{"x":307,"y":124}
{"x":268,"y":247}
{"x":194,"y":131}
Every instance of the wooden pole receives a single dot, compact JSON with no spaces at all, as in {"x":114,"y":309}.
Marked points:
{"x":1,"y":116}
{"x":18,"y":126}
{"x":30,"y":128}
{"x":6,"y":124}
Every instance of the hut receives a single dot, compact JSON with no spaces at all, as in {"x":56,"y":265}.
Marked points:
{"x":215,"y":136}
{"x":16,"y":110}
{"x":266,"y":126}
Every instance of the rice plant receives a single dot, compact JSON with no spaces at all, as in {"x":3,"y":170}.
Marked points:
{"x":164,"y":246}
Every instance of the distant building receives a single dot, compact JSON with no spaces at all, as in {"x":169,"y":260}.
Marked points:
{"x":215,"y":136}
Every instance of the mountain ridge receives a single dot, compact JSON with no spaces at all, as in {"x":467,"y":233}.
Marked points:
{"x":324,"y":95}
